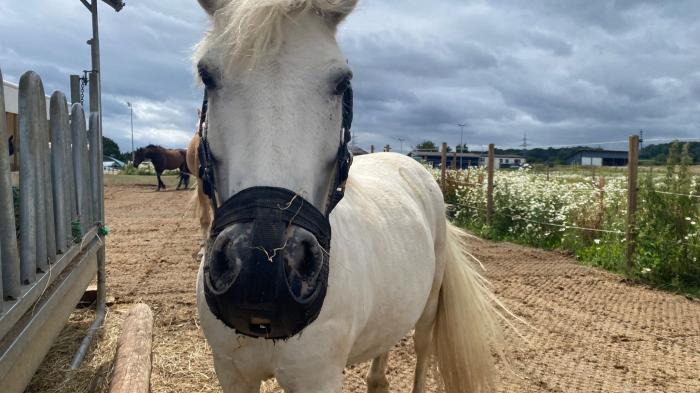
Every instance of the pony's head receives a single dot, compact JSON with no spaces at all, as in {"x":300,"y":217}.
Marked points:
{"x":139,"y":156}
{"x":276,"y":83}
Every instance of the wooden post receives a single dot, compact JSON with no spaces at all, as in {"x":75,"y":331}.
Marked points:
{"x":371,"y":149}
{"x":454,"y":160}
{"x":632,"y":171}
{"x":443,"y":165}
{"x":132,"y":366}
{"x":489,"y":190}
{"x":75,"y":89}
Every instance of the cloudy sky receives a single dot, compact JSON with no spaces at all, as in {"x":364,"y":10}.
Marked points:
{"x":563,"y":71}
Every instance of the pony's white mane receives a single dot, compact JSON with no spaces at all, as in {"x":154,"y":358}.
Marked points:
{"x":245,"y":30}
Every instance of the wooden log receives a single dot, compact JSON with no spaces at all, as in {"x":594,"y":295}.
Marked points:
{"x":90,"y":297}
{"x":132,"y":366}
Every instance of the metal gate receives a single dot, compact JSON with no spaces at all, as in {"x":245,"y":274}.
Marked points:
{"x":50,"y":228}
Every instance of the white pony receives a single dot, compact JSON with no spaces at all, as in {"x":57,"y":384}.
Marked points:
{"x":271,"y":70}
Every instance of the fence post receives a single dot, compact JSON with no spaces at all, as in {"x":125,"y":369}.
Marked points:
{"x":632,"y":165}
{"x":80,"y":165}
{"x":371,"y":149}
{"x":47,"y":185}
{"x":61,"y":203}
{"x":75,"y":89}
{"x":9,"y":257}
{"x":489,"y":190}
{"x":454,"y":160}
{"x":32,"y":111}
{"x":443,"y":165}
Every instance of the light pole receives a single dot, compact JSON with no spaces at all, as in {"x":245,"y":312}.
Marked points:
{"x":461,"y":144}
{"x":96,"y":107}
{"x":402,"y":140}
{"x":131,"y":116}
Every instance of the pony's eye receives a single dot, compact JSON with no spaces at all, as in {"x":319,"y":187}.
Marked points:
{"x":207,"y":77}
{"x":342,"y":84}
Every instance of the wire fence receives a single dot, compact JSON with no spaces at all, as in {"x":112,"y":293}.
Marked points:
{"x":596,"y":218}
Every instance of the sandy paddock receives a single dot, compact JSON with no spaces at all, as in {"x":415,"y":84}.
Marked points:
{"x":589,"y":332}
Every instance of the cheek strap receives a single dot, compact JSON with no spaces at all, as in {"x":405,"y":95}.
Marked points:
{"x":343,"y":157}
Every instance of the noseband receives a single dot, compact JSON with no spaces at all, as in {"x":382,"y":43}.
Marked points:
{"x":264,"y":303}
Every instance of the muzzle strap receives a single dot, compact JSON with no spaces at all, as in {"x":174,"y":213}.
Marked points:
{"x":261,"y":290}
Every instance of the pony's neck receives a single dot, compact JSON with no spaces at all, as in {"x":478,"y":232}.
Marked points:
{"x":149,"y":153}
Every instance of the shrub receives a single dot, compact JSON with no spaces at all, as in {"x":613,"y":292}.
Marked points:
{"x":587,"y":217}
{"x":668,"y":243}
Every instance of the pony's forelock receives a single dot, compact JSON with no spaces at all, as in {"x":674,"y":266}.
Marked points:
{"x":245,"y":30}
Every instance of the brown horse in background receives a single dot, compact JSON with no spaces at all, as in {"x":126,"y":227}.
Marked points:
{"x":163,"y":159}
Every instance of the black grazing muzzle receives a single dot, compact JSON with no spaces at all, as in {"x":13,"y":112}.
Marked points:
{"x":267,"y":262}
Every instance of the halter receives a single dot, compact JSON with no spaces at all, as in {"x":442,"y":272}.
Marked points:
{"x":343,"y":158}
{"x":266,"y":291}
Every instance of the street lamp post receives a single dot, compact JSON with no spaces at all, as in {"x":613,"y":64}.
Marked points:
{"x":131,"y":116}
{"x":94,"y":42}
{"x":96,"y":107}
{"x":461,"y":145}
{"x":402,"y":140}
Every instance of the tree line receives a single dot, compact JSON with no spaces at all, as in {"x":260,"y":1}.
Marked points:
{"x":110,"y":148}
{"x":653,"y":154}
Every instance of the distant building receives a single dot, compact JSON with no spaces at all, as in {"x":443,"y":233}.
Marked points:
{"x":467,"y":160}
{"x":12,"y":118}
{"x":599,"y":158}
{"x":110,"y":162}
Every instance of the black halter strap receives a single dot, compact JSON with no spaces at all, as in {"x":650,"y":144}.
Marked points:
{"x":263,"y":299}
{"x":206,"y":170}
{"x":343,"y":158}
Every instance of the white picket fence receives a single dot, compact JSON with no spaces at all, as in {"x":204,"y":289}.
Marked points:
{"x":48,"y":262}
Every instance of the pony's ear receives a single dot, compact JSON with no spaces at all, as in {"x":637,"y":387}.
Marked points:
{"x":211,"y":6}
{"x":339,"y":11}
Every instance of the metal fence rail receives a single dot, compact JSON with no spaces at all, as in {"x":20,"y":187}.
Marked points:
{"x":48,"y":262}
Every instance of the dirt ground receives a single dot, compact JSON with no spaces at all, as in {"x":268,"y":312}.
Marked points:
{"x":590,"y":331}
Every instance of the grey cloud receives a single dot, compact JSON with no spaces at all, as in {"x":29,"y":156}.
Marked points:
{"x":564,"y":72}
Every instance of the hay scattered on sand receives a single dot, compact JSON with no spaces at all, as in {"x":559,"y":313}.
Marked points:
{"x":55,"y":376}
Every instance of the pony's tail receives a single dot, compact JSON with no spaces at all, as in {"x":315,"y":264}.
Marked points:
{"x":466,"y":325}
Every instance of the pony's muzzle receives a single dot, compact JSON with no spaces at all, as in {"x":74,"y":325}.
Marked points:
{"x":266,"y":267}
{"x":236,"y":259}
